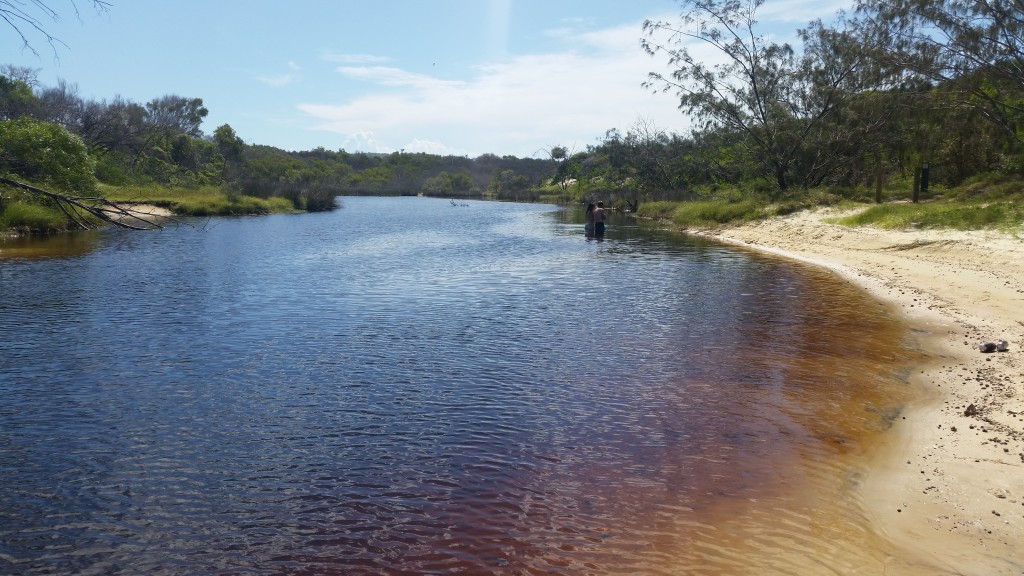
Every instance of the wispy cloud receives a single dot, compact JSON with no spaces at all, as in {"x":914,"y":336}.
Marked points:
{"x":526,"y":104}
{"x":521,"y":104}
{"x":283,"y":79}
{"x":518,"y":104}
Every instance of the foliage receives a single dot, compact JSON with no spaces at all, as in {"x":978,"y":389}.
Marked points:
{"x":172,"y":115}
{"x":16,"y":98}
{"x":781,"y":101}
{"x":44,"y":152}
{"x":508,"y":185}
{"x":224,"y":205}
{"x":857,"y":110}
{"x":445,"y":184}
{"x":972,"y":50}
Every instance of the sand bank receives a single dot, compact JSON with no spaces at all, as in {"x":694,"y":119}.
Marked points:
{"x":142,"y":212}
{"x":948,"y":487}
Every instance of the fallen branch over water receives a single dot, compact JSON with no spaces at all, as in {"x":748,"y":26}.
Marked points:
{"x":76,"y":208}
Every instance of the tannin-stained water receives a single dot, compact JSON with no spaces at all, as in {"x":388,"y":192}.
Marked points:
{"x":405,"y":386}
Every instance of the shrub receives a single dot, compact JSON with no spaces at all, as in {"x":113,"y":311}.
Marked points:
{"x":46,"y":153}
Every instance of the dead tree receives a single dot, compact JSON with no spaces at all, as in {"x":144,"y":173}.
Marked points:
{"x":78,"y":209}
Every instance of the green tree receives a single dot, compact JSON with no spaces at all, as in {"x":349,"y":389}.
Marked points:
{"x":228,"y":143}
{"x":970,"y":49}
{"x":16,"y":99}
{"x":231,"y":149}
{"x":46,"y":153}
{"x":440,"y":185}
{"x":462,"y":182}
{"x":507,"y":183}
{"x":778,"y":99}
{"x":568,"y":167}
{"x":172,"y":114}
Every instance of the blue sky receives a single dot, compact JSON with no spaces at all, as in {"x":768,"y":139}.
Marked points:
{"x":462,"y":77}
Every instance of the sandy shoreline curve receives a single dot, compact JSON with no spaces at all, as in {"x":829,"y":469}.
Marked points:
{"x":948,"y":486}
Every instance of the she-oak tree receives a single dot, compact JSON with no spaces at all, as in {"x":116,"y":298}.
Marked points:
{"x":780,"y":100}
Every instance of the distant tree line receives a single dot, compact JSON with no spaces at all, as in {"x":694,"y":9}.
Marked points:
{"x":162,"y":142}
{"x":886,"y":90}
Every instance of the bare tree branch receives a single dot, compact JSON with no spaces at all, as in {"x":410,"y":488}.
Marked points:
{"x":22,"y":15}
{"x":78,"y":208}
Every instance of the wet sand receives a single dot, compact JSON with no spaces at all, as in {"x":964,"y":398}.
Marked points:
{"x":947,"y":486}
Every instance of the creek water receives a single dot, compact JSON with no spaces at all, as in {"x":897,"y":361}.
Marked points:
{"x":415,"y":386}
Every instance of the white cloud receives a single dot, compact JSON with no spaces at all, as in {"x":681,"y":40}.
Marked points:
{"x":362,"y":141}
{"x":518,"y":105}
{"x":279,"y":80}
{"x":430,"y":147}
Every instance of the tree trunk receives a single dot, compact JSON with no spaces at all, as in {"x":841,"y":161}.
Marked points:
{"x":916,"y":193}
{"x":78,"y":208}
{"x":878,"y":178}
{"x":780,"y":179}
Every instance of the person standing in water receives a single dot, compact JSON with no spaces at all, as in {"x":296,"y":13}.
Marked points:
{"x":599,"y":218}
{"x":588,"y":220}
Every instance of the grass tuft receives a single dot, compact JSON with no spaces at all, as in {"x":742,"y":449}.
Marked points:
{"x":32,"y":218}
{"x":1005,"y":215}
{"x":201,"y":201}
{"x":704,"y":213}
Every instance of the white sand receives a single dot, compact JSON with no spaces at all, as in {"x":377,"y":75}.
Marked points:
{"x":948,"y":488}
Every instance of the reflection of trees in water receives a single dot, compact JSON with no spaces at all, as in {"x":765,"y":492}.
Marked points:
{"x":53,"y":246}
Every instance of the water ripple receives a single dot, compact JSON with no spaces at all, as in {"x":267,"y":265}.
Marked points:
{"x":437,"y":390}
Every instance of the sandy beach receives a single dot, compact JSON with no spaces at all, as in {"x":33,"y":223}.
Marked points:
{"x":948,"y":486}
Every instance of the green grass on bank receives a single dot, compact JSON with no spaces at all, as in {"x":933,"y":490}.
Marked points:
{"x":982,"y":204}
{"x":705,"y":213}
{"x":1006,"y":215}
{"x":203,"y":201}
{"x":23,"y":213}
{"x":31,"y":218}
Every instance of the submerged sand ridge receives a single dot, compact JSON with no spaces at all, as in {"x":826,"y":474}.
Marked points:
{"x":948,"y":486}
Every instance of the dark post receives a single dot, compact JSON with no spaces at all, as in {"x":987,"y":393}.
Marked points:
{"x":916,"y":191}
{"x":924,"y":179}
{"x":878,"y":177}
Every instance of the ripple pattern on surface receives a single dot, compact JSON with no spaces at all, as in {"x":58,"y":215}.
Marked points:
{"x":403,"y":387}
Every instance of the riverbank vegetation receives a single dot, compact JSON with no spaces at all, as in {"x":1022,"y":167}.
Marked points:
{"x":915,"y":107}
